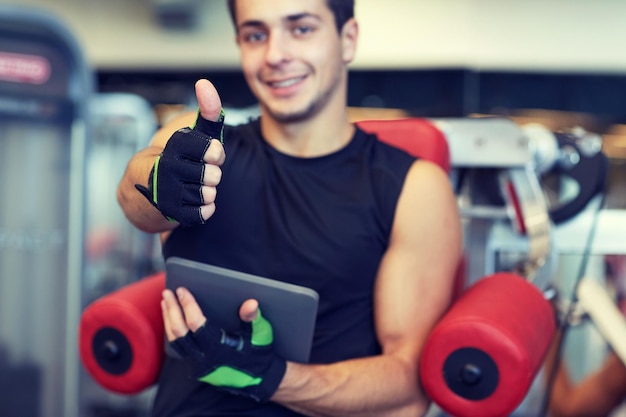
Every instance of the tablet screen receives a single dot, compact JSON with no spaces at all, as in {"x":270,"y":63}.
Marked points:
{"x":291,"y":309}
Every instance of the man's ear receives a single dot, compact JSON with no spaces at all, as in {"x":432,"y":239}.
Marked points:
{"x":349,"y":37}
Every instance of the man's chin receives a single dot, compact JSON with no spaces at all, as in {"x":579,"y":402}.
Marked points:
{"x":292,"y":115}
{"x":288,"y":118}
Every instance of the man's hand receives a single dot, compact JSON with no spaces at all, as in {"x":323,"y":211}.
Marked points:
{"x":242,"y":363}
{"x":182,"y":183}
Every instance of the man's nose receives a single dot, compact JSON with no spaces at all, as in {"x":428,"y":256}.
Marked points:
{"x":278,"y":49}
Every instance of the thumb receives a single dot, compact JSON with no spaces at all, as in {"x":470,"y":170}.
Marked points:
{"x":208,"y":100}
{"x":249,"y":310}
{"x":210,"y":120}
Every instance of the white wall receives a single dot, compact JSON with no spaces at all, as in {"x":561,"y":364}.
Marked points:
{"x":553,"y":35}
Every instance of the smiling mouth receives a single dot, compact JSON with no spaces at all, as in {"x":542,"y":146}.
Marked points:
{"x":285,"y":83}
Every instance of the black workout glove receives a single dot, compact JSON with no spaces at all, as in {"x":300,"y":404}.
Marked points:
{"x":175,"y":181}
{"x":242,"y":363}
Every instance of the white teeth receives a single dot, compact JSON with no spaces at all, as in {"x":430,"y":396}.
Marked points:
{"x":285,"y":83}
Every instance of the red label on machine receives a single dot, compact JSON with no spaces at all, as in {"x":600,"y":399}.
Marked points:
{"x":22,"y":68}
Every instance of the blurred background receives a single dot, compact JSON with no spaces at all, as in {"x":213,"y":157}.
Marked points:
{"x":115,"y":70}
{"x":443,"y":58}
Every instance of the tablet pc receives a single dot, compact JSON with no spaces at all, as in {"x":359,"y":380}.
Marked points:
{"x":291,"y":309}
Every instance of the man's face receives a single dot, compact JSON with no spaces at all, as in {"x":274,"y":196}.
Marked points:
{"x":292,"y":56}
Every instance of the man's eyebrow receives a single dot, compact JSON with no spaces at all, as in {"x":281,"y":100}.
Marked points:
{"x":289,"y":18}
{"x":250,"y":23}
{"x":303,"y":15}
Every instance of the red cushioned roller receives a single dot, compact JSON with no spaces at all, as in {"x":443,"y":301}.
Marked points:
{"x":483,"y":355}
{"x":121,"y":336}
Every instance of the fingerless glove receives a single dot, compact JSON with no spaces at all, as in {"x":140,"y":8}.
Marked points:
{"x":242,"y":363}
{"x":175,"y":181}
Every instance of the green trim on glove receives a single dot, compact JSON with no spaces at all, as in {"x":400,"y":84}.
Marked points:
{"x":225,"y":376}
{"x":153,"y":186}
{"x":262,"y":332}
{"x":154,"y":177}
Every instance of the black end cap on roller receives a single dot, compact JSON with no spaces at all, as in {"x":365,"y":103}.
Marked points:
{"x":471,"y":373}
{"x":112,"y":351}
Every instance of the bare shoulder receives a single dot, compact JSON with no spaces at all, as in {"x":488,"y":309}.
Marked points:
{"x":162,"y":135}
{"x":427,"y":191}
{"x":427,"y":226}
{"x":428,"y":174}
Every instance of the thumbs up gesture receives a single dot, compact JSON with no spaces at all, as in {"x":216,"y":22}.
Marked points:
{"x":182,"y":183}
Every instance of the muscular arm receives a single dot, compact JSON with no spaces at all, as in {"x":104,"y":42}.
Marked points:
{"x":414,"y":288}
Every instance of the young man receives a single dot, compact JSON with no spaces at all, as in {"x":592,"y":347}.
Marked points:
{"x":304,"y":197}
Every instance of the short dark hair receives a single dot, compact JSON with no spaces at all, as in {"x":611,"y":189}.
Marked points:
{"x":343,"y":10}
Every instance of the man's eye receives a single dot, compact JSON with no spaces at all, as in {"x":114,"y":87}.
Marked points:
{"x":255,"y":37}
{"x":302,"y":30}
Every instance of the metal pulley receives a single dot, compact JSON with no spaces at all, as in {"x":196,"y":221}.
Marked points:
{"x":578,"y":174}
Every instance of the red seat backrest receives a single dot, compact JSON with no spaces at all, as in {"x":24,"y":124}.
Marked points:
{"x":418,"y":137}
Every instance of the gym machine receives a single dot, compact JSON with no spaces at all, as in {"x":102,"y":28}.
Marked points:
{"x":45,"y":86}
{"x":503,"y":313}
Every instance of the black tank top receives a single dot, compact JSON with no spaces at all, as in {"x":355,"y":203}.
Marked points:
{"x":321,"y":222}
